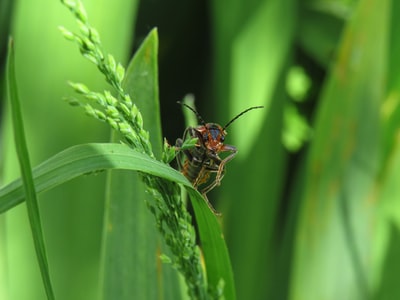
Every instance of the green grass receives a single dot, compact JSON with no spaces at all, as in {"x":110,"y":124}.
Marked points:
{"x":26,"y":173}
{"x":309,"y":204}
{"x":172,"y":219}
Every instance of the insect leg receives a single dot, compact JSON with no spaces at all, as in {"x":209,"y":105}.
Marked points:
{"x":201,"y":177}
{"x":209,"y":187}
{"x":179,"y":142}
{"x":210,"y":205}
{"x":221,"y":167}
{"x":207,"y":170}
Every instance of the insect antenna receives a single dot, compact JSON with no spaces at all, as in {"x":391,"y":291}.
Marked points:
{"x":193,"y":110}
{"x":241,"y":114}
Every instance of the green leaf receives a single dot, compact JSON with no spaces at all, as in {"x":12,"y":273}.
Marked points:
{"x":84,"y":160}
{"x":130,"y":271}
{"x":218,"y":265}
{"x":141,"y":83}
{"x":26,"y":173}
{"x":337,"y":229}
{"x":93,"y":158}
{"x":129,"y":260}
{"x":319,"y":33}
{"x":253,"y":74}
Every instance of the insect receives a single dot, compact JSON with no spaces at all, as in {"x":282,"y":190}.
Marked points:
{"x":198,"y":163}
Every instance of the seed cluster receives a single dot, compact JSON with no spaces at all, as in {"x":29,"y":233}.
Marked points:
{"x":172,"y":218}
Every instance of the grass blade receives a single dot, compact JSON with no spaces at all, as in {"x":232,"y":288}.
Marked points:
{"x":84,"y":160}
{"x":26,"y":173}
{"x":253,"y":74}
{"x":216,"y":257}
{"x":129,"y":271}
{"x":126,"y":210}
{"x":92,"y":158}
{"x":141,"y":83}
{"x":337,"y":220}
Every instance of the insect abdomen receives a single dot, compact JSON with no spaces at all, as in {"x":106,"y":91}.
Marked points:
{"x":192,"y":168}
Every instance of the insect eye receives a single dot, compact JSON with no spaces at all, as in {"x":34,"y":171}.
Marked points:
{"x":222,"y":138}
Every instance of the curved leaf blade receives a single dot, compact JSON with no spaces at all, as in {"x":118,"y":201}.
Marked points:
{"x":128,"y":221}
{"x":337,"y":223}
{"x":26,"y":173}
{"x":92,"y":158}
{"x":85,"y":159}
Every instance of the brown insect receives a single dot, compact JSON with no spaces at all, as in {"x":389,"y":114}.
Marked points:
{"x":202,"y":160}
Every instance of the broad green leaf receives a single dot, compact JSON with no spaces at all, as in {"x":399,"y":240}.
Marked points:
{"x":334,"y":247}
{"x":319,"y":33}
{"x":389,"y":285}
{"x":26,"y":173}
{"x":253,"y":42}
{"x":141,"y":83}
{"x":129,"y":261}
{"x":388,"y":245}
{"x":129,"y":270}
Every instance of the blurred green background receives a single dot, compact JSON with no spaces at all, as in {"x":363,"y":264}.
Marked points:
{"x":311,"y":202}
